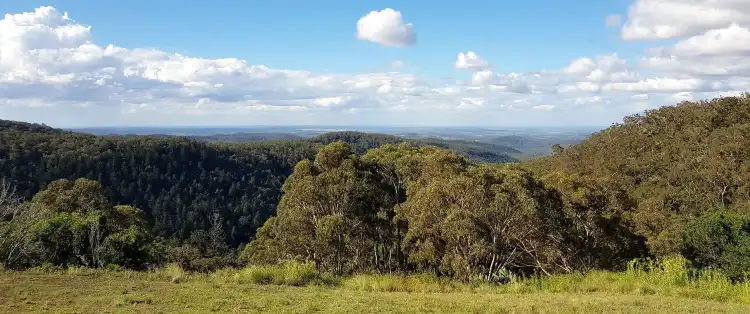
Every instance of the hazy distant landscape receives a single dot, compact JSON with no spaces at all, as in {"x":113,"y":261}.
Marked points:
{"x":530,"y":141}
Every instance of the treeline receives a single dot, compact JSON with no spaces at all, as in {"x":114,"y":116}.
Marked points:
{"x":404,"y":208}
{"x":684,"y":174}
{"x":72,"y":223}
{"x":671,"y":181}
{"x":180,"y":184}
{"x":362,"y":142}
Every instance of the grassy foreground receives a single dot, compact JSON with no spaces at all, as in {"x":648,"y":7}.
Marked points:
{"x":296,"y":288}
{"x":86,"y":293}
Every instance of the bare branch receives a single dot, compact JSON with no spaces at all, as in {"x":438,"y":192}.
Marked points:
{"x":9,"y":201}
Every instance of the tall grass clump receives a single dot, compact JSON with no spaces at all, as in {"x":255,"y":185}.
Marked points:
{"x":670,"y":276}
{"x":175,"y":273}
{"x":290,"y":273}
{"x":424,"y":283}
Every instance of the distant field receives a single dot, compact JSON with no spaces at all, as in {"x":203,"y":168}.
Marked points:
{"x":123,"y":293}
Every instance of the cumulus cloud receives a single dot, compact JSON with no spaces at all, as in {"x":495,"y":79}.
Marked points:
{"x":606,"y":68}
{"x":471,"y":104}
{"x":387,"y":28}
{"x":580,"y":66}
{"x":719,"y":53}
{"x":733,"y":40}
{"x":52,"y":69}
{"x":471,"y":61}
{"x":46,"y":55}
{"x":669,"y":19}
{"x":543,"y":107}
{"x":659,"y":85}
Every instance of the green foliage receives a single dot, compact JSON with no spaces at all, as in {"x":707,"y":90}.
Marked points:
{"x":330,"y":214}
{"x":180,"y":184}
{"x":65,"y":196}
{"x":410,"y":208}
{"x":720,"y":241}
{"x":648,"y":187}
{"x":72,"y":224}
{"x":64,"y":239}
{"x":672,"y":164}
{"x":361,"y":143}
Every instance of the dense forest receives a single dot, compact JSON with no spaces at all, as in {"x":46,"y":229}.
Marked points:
{"x":668,"y":181}
{"x":182,"y":185}
{"x":362,"y":142}
{"x":179,"y":183}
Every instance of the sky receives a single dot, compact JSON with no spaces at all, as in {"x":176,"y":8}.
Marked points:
{"x":79,"y":63}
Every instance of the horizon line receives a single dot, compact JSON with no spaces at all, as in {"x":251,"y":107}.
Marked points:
{"x":331,"y":126}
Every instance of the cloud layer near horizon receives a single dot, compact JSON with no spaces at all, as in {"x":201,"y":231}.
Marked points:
{"x":50,"y":65}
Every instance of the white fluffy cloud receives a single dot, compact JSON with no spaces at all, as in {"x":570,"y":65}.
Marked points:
{"x":544,"y":107}
{"x":658,"y":85}
{"x":387,"y":28}
{"x":718,"y":50}
{"x":605,"y":68}
{"x":471,"y":61}
{"x":667,"y":19}
{"x":733,"y":40}
{"x":52,"y":70}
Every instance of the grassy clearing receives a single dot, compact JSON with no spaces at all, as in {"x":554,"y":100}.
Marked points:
{"x":122,"y":293}
{"x":666,"y":286}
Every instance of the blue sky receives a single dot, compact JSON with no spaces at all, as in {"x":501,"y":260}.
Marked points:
{"x":531,"y":34}
{"x":526,"y":43}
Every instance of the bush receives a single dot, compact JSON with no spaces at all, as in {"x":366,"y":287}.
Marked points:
{"x":720,"y":241}
{"x":290,"y":273}
{"x":192,"y":258}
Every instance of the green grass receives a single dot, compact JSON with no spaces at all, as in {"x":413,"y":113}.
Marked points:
{"x":288,"y":273}
{"x":662,"y":287}
{"x":149,"y":293}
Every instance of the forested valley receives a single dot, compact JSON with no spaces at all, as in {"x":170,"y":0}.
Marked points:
{"x":674,"y":181}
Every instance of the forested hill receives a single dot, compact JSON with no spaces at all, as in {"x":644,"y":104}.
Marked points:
{"x":361,"y":142}
{"x":181,"y":184}
{"x":672,"y":181}
{"x":18,"y":126}
{"x":670,"y":165}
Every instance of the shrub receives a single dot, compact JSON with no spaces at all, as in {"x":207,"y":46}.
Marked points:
{"x":207,"y":264}
{"x":291,"y":273}
{"x":720,"y":241}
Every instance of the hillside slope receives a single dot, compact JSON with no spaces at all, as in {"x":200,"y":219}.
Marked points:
{"x":361,"y":142}
{"x":675,"y":163}
{"x":182,"y":184}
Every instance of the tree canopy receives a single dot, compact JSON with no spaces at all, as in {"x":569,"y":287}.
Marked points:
{"x":674,"y":180}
